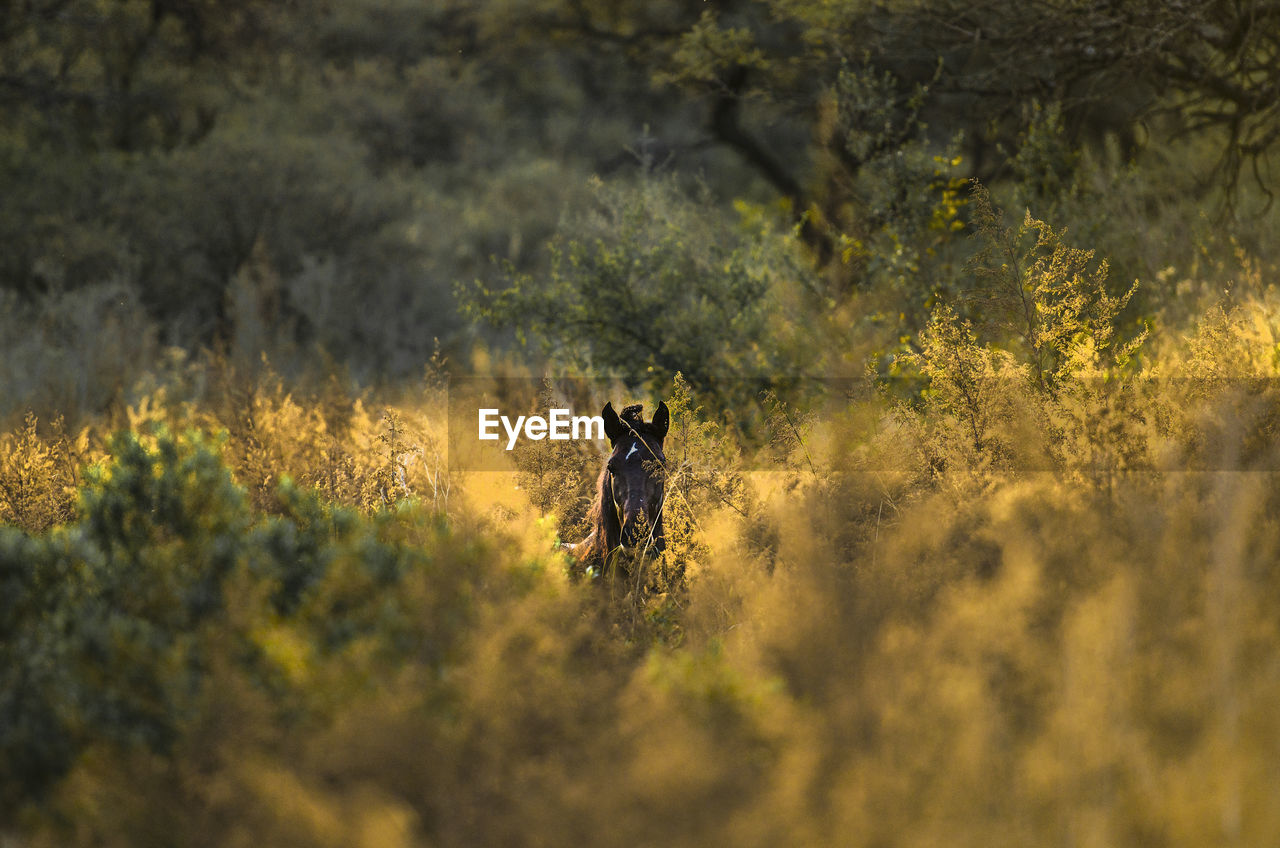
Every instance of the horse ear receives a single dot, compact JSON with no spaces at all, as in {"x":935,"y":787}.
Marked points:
{"x":613,"y":426}
{"x":662,"y":420}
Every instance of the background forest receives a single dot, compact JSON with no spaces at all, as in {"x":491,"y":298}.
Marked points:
{"x":965,"y":312}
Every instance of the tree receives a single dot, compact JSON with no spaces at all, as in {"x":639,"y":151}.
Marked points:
{"x":766,"y":77}
{"x":131,"y":75}
{"x":655,"y":282}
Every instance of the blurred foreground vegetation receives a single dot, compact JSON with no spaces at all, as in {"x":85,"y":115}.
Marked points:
{"x":966,"y":315}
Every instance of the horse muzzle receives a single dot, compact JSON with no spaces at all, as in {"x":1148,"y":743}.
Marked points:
{"x":635,"y":528}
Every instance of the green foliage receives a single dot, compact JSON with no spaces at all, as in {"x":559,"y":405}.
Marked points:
{"x":106,"y":620}
{"x":37,"y":693}
{"x":653,"y":282}
{"x":177,"y":494}
{"x":113,"y":626}
{"x":130,"y":75}
{"x":1045,"y":164}
{"x":263,"y":177}
{"x":709,"y":51}
{"x":894,"y":199}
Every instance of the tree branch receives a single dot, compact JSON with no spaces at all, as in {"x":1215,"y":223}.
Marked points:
{"x":726,"y":127}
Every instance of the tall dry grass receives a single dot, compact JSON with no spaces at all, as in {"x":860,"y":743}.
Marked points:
{"x":1062,"y":633}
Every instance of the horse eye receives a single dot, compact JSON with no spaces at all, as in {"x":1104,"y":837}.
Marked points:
{"x":613,"y":468}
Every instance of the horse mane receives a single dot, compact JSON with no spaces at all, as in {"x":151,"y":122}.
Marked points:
{"x":606,"y":530}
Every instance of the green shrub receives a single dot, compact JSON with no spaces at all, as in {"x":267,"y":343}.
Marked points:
{"x":655,"y":281}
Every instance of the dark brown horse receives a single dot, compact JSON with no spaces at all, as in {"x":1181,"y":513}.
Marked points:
{"x":627,"y":512}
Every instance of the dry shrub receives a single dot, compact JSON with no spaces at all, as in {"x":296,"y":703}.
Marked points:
{"x":1044,"y":658}
{"x":40,"y":474}
{"x":320,"y":434}
{"x":866,"y":647}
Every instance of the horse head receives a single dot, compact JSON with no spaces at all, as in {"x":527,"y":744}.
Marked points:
{"x":632,"y":484}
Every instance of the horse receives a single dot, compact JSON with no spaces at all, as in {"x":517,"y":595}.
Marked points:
{"x":627,"y":512}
